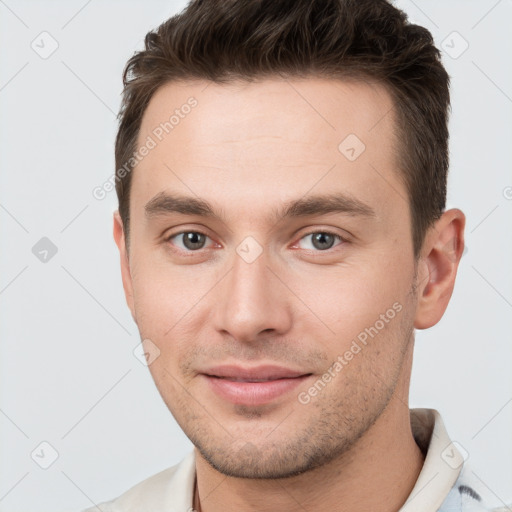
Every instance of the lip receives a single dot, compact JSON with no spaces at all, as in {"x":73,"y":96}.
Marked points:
{"x":253,"y":386}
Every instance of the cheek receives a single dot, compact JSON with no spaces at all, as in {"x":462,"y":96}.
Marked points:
{"x":348,"y":300}
{"x":172,"y":307}
{"x":165,"y":293}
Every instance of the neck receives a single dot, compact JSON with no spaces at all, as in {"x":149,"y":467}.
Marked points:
{"x":377,"y":473}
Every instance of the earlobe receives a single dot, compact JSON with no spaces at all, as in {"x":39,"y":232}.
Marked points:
{"x":120,"y":240}
{"x":441,"y":253}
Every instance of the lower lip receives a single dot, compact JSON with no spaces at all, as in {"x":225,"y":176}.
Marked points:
{"x":253,"y":393}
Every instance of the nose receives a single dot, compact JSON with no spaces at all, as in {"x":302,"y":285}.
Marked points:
{"x":252,"y":301}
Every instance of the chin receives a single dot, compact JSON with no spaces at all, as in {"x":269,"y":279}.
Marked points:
{"x":283,"y":458}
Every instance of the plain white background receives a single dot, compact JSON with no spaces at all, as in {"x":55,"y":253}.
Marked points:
{"x":68,"y":373}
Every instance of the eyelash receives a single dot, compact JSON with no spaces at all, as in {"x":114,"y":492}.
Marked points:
{"x":324,"y":232}
{"x":342,"y":241}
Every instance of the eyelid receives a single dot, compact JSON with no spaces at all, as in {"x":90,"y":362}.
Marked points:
{"x":167,"y":238}
{"x":326,"y":231}
{"x":183,"y":231}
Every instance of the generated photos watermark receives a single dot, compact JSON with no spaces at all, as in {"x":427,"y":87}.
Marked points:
{"x":157,"y":135}
{"x":357,"y":345}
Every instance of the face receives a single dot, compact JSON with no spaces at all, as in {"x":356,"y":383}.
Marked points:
{"x":271,"y":267}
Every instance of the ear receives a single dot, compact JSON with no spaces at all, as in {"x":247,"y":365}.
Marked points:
{"x":437,"y":267}
{"x":119,"y":237}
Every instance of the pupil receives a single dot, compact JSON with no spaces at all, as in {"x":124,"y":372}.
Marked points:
{"x":319,"y":240}
{"x":193,"y":240}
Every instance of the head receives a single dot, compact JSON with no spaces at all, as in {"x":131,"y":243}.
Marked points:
{"x":281,"y":176}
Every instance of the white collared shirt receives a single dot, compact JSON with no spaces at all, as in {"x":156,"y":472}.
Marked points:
{"x":445,"y":483}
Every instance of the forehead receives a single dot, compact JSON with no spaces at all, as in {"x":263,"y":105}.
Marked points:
{"x":238,"y":109}
{"x":272,"y":138}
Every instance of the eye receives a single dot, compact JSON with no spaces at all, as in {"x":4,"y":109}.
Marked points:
{"x":191,"y":241}
{"x":321,"y":240}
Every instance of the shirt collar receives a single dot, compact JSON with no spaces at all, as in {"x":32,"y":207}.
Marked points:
{"x":442,"y":466}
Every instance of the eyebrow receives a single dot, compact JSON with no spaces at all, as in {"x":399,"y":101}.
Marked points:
{"x":165,"y":203}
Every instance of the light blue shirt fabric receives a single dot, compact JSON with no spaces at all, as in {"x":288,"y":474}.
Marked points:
{"x":469,"y":494}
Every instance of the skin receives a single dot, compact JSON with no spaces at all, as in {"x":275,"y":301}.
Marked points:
{"x":248,"y":149}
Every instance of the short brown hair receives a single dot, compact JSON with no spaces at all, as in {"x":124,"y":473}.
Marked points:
{"x":227,"y":40}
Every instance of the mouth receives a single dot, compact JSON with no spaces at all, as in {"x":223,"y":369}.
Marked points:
{"x":236,"y":379}
{"x":253,"y":386}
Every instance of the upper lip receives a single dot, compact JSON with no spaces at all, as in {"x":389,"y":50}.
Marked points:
{"x":264,"y":372}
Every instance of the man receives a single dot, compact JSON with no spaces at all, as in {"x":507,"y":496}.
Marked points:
{"x":281,"y":176}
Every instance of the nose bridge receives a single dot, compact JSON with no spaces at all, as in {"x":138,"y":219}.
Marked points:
{"x":252,"y":299}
